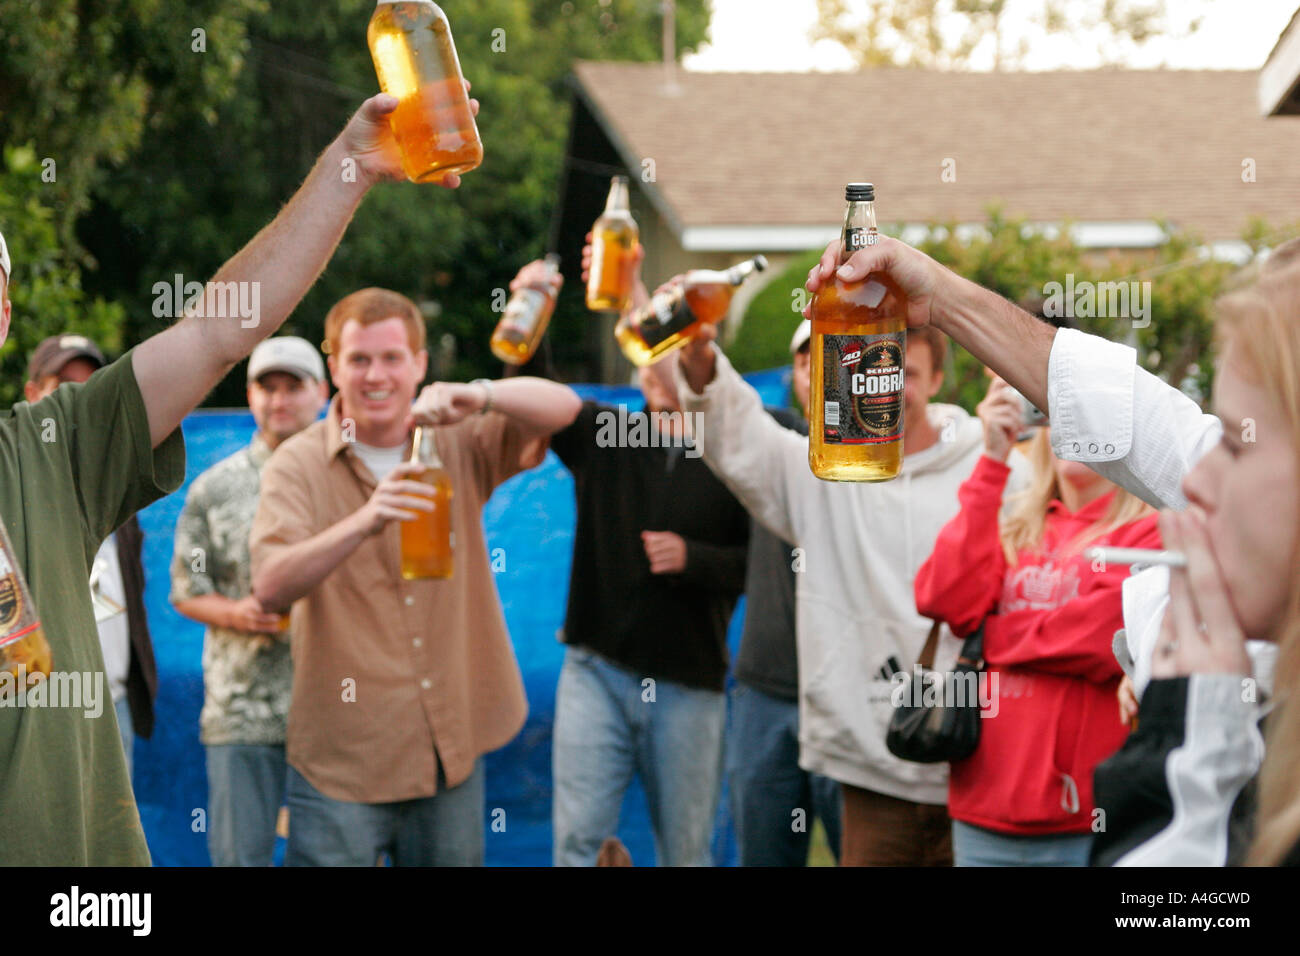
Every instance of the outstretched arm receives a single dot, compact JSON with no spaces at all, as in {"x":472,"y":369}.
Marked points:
{"x":266,"y":279}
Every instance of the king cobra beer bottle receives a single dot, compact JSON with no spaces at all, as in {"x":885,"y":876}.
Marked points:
{"x":613,"y":242}
{"x":672,"y":318}
{"x":415,"y":60}
{"x":428,"y":541}
{"x":24,"y":651}
{"x":855,"y":417}
{"x":525,"y":319}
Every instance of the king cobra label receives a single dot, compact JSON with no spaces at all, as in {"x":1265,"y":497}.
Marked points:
{"x":862,"y":382}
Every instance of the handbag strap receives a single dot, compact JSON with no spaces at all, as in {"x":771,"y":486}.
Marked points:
{"x":972,"y":648}
{"x":926,"y":660}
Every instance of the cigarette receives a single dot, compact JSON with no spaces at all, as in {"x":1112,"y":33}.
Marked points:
{"x":1172,"y":559}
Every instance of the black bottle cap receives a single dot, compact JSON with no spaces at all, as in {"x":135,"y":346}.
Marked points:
{"x":860,"y":192}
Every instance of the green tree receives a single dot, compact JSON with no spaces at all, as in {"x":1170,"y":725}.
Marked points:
{"x":82,"y":79}
{"x":200,"y":185}
{"x":947,"y":34}
{"x":45,"y":287}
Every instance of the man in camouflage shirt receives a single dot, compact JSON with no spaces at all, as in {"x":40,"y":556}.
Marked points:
{"x":247,"y":671}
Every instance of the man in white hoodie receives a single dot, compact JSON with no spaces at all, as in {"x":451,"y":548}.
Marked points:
{"x":858,"y":549}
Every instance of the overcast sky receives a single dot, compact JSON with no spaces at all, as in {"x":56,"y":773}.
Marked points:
{"x":772,"y":35}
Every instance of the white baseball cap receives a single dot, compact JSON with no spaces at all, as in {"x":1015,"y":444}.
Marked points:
{"x":801,"y":335}
{"x":286,"y":353}
{"x":4,"y":257}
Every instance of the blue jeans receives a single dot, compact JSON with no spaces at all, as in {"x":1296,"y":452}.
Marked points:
{"x":768,"y":786}
{"x":445,"y":829}
{"x":608,"y":726}
{"x":245,"y":793}
{"x":976,"y":846}
{"x":127,"y":729}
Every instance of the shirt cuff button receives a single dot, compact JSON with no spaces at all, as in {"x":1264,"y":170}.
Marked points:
{"x":1110,"y":449}
{"x":426,"y":683}
{"x":410,"y":601}
{"x":1092,"y":448}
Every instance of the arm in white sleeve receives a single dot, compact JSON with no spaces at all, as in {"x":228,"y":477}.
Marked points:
{"x":749,"y":451}
{"x":1122,"y":421}
{"x":1169,"y":793}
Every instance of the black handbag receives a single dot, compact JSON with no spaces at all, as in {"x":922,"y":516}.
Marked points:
{"x":949,"y":728}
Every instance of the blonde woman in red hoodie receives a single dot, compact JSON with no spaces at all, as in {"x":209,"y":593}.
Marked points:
{"x":1050,"y":614}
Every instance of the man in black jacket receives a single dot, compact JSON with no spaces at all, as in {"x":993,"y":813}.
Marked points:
{"x":117,"y":582}
{"x":774,"y":801}
{"x":658,"y":564}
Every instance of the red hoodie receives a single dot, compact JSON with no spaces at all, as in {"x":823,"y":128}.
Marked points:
{"x":1047,"y":637}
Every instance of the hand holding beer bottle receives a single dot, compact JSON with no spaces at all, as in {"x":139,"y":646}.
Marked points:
{"x":368,"y":139}
{"x":399,"y":497}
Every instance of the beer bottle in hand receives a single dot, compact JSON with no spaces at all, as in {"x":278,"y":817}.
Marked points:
{"x":855,"y":414}
{"x":24,"y":651}
{"x":672,"y":318}
{"x":428,"y":540}
{"x":613,"y":242}
{"x":525,"y":319}
{"x":415,"y":59}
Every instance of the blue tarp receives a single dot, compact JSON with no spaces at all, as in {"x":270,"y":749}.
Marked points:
{"x":531,"y":517}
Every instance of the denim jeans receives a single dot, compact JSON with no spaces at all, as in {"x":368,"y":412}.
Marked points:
{"x":976,"y":846}
{"x":445,"y":829}
{"x":245,"y":793}
{"x":127,"y":729}
{"x":768,"y":786}
{"x":608,"y":726}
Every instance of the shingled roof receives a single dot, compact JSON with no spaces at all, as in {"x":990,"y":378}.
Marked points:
{"x":769,"y":153}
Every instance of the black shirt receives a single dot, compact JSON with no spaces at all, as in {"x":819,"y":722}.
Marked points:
{"x":767,"y":658}
{"x":665,"y":626}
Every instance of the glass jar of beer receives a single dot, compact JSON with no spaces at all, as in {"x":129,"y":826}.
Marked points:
{"x":428,"y":540}
{"x":613,"y":245}
{"x":415,"y":59}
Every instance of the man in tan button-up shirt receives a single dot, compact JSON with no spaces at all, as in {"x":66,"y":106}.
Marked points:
{"x":399,"y":686}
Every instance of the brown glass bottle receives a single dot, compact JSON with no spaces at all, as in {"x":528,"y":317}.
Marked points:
{"x":415,"y":60}
{"x":855,"y":420}
{"x":613,"y":245}
{"x":428,"y":541}
{"x":671,"y":319}
{"x":524,"y":321}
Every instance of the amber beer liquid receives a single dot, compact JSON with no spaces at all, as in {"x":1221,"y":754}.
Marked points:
{"x":855,"y":422}
{"x":613,"y":244}
{"x":415,"y":60}
{"x":525,"y":319}
{"x":428,"y":541}
{"x":673,"y":318}
{"x":24,"y":651}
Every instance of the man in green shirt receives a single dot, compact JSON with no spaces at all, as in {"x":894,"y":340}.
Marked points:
{"x":76,"y":464}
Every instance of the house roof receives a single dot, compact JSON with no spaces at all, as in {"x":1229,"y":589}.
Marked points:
{"x":1279,"y":78}
{"x":771,"y":152}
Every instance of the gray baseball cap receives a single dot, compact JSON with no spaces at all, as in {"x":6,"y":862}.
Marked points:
{"x":286,"y":353}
